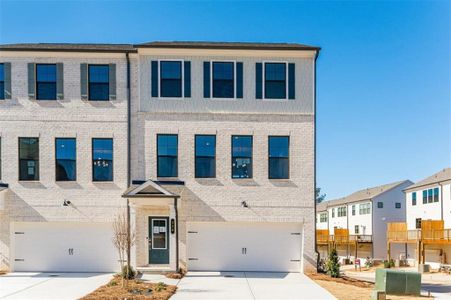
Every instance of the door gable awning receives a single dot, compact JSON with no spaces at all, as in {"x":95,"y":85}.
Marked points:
{"x":148,"y":189}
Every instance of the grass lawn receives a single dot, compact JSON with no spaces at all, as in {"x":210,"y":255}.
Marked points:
{"x":136,"y":289}
{"x":346,"y":288}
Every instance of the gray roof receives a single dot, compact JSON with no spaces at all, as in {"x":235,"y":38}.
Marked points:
{"x":227,"y":45}
{"x":365,"y":194}
{"x":74,"y":47}
{"x":443,"y":175}
{"x":68,"y":47}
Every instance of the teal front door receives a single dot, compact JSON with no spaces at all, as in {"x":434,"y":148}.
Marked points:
{"x":158,"y":240}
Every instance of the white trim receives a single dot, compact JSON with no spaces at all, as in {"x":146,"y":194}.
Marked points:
{"x":182,"y":70}
{"x":264,"y":79}
{"x":166,"y":234}
{"x":150,"y":183}
{"x":234,"y":79}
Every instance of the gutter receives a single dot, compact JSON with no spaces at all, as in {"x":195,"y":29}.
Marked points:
{"x":314,"y":163}
{"x":441,"y":200}
{"x":176,"y":235}
{"x":128,"y":161}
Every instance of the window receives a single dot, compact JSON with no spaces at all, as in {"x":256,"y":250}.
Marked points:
{"x":333,"y":212}
{"x":28,"y":158}
{"x":205,"y":156}
{"x":398,"y":205}
{"x":46,"y":82}
{"x":435,"y":194}
{"x":102,"y":159}
{"x":380,"y":204}
{"x":353,"y":210}
{"x":241,"y":156}
{"x":275,"y":80}
{"x":341,"y":211}
{"x":2,"y":81}
{"x":418,"y":223}
{"x":66,"y":166}
{"x":323,"y":217}
{"x":356,"y":229}
{"x":430,"y":196}
{"x":170,"y":79}
{"x":414,"y":198}
{"x":223,"y":80}
{"x":279,"y":164}
{"x":425,"y":196}
{"x":167,"y":149}
{"x":98,"y":78}
{"x":365,"y":208}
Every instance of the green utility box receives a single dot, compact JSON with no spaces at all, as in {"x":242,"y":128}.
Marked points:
{"x":397,"y":282}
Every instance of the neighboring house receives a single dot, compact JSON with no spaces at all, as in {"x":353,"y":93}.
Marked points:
{"x":363,"y":216}
{"x":220,"y":142}
{"x":430,"y":199}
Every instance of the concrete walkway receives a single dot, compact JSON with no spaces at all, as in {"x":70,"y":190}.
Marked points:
{"x":50,"y":285}
{"x":245,"y":286}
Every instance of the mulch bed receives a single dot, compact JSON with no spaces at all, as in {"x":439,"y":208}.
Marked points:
{"x":136,"y":289}
{"x":342,"y":279}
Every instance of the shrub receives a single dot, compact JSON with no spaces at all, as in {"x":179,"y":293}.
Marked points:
{"x":387,"y":264}
{"x":332,"y":265}
{"x":392,"y":263}
{"x":161,"y":286}
{"x":369,"y":262}
{"x":322,"y":268}
{"x":128,"y":275}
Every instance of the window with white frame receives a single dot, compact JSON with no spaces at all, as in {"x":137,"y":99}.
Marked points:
{"x":341,"y":211}
{"x":323,"y":217}
{"x":365,"y":208}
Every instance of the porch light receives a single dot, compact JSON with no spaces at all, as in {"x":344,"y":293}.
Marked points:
{"x":244,"y":204}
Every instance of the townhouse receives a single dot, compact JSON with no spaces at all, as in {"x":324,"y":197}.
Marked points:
{"x":212,"y":146}
{"x":356,"y":224}
{"x":428,"y":221}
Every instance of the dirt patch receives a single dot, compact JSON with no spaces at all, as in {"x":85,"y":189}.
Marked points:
{"x":346,"y":288}
{"x":136,"y":289}
{"x":176,"y":275}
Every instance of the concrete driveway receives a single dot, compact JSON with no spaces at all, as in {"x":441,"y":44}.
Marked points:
{"x":50,"y":285}
{"x":248,"y":285}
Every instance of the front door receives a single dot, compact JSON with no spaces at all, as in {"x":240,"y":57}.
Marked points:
{"x":158,"y":240}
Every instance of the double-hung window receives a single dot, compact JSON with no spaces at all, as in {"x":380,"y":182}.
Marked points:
{"x":99,"y":82}
{"x":436,"y":194}
{"x":414,"y":198}
{"x":356,"y":229}
{"x":323,"y":217}
{"x":205,"y":156}
{"x":398,"y":205}
{"x":65,"y":159}
{"x":275,"y":80}
{"x":223,"y":79}
{"x":365,"y":208}
{"x":167,"y":155}
{"x":171,"y":79}
{"x":279,"y":152}
{"x":341,"y":211}
{"x":46,"y":81}
{"x":425,"y":196}
{"x":102,"y":159}
{"x":430,"y":199}
{"x":241,"y":156}
{"x":333,"y":212}
{"x":28,"y":158}
{"x":353,"y":210}
{"x":380,"y":204}
{"x":2,"y":81}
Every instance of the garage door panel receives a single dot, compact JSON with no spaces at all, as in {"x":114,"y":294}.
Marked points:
{"x":65,"y":247}
{"x":244,"y":246}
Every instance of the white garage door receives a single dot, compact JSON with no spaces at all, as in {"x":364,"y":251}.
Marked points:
{"x":222,"y":246}
{"x":64,"y":247}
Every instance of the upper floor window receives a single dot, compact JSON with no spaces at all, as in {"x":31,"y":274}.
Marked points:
{"x":380,"y":204}
{"x":102,"y":159}
{"x":241,"y":156}
{"x":279,"y":157}
{"x":435,"y":194}
{"x":65,"y":159}
{"x":205,"y":156}
{"x":223,"y":80}
{"x":98,"y":82}
{"x":2,"y":81}
{"x":341,"y":211}
{"x":414,"y":198}
{"x":425,"y":196}
{"x":398,"y":205}
{"x":46,"y":81}
{"x":333,"y":212}
{"x":430,"y":199}
{"x":28,"y":158}
{"x":323,"y":217}
{"x":364,"y":208}
{"x":167,"y":152}
{"x":170,"y":79}
{"x":275,"y":80}
{"x":353,"y":210}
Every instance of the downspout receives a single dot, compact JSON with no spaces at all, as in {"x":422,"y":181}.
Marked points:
{"x":128,"y":160}
{"x":441,"y":200}
{"x":314,"y":160}
{"x":372,"y":229}
{"x":176,"y":235}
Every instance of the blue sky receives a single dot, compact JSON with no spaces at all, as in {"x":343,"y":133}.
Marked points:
{"x":384,"y":74}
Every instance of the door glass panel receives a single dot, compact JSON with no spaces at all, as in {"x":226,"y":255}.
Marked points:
{"x":159,"y":231}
